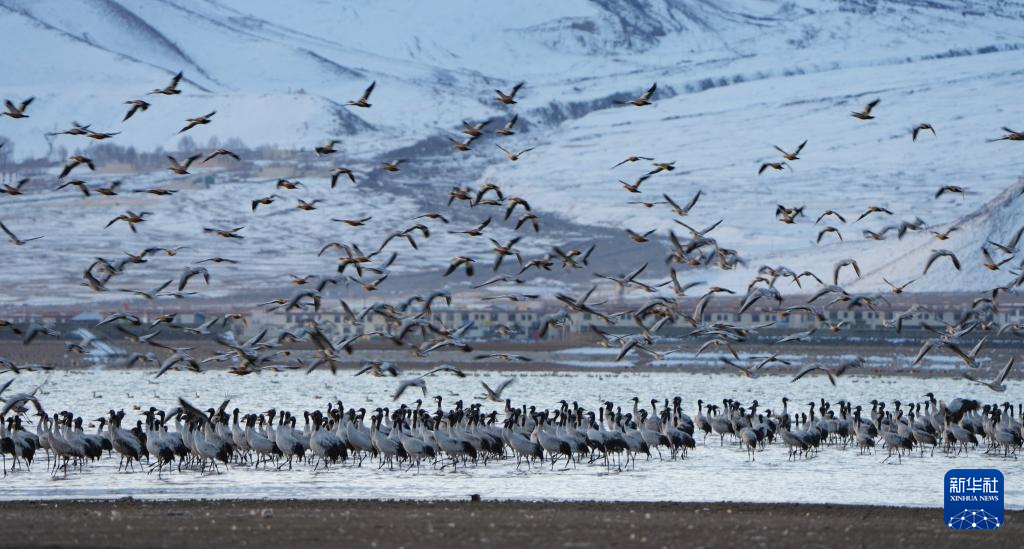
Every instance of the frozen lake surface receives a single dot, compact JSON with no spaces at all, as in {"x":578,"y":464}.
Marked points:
{"x":710,"y":473}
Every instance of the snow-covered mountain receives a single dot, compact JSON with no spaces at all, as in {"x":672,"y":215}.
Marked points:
{"x":436,"y":62}
{"x":734,"y":78}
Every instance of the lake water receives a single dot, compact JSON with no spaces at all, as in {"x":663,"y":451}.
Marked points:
{"x":711,"y":472}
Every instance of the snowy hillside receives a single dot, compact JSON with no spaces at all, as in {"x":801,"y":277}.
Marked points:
{"x":437,"y":62}
{"x":734,"y":78}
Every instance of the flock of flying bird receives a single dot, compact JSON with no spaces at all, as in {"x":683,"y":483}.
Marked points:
{"x":461,"y":433}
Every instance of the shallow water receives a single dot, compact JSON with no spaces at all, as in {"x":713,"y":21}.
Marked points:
{"x":710,"y":473}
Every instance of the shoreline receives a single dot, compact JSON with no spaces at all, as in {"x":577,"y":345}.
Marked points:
{"x":372,"y":523}
{"x":439,"y":501}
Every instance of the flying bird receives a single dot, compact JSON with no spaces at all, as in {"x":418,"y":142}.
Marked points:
{"x":354,"y":222}
{"x":745,"y":371}
{"x":832,"y":373}
{"x":791,"y":156}
{"x":504,"y":356}
{"x":461,"y":261}
{"x":75,"y":161}
{"x":832,"y":213}
{"x":799,"y":336}
{"x":811,"y":368}
{"x":35,"y":331}
{"x":225,"y":233}
{"x":220,"y":152}
{"x":898,"y":288}
{"x":789,"y":215}
{"x":363,"y":100}
{"x":78,"y":183}
{"x":179,"y":168}
{"x":197,"y":121}
{"x":631,"y":159}
{"x":378,"y":368}
{"x":866,"y":113}
{"x":569,"y":259}
{"x":510,"y":97}
{"x":871,"y":210}
{"x":997,"y":383}
{"x":1011,"y":246}
{"x":778,"y":166}
{"x":17,"y":111}
{"x":503,"y":250}
{"x":326,"y":149}
{"x":662,"y":167}
{"x":476,"y":230}
{"x":461,"y":146}
{"x":100,"y":136}
{"x":137,"y":105}
{"x":14,"y":190}
{"x":968,"y":357}
{"x":635,"y":186}
{"x":192,"y":271}
{"x":474,"y":130}
{"x":169,"y":89}
{"x":494,"y":395}
{"x":506,"y":130}
{"x":393,"y":166}
{"x":844,"y":263}
{"x":937,"y":254}
{"x":826,"y":230}
{"x":1010,"y":135}
{"x":445,"y":368}
{"x":13,"y":239}
{"x":639,"y":238}
{"x":990,"y":263}
{"x":950,"y":189}
{"x":406,"y":384}
{"x":77,"y":128}
{"x":339,"y":171}
{"x":513,"y":156}
{"x":264,"y":201}
{"x":514,"y":201}
{"x":131,"y":218}
{"x":684,"y":210}
{"x":644,"y":99}
{"x":919,"y":128}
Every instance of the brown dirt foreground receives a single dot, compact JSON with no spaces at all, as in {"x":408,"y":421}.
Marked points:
{"x":480,"y":524}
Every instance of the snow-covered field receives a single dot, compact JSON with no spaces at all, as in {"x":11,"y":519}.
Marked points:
{"x":734,"y":78}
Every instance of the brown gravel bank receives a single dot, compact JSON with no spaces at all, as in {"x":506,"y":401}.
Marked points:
{"x":482,"y":524}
